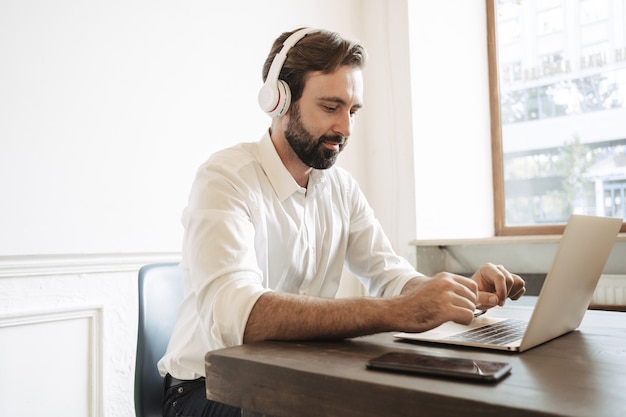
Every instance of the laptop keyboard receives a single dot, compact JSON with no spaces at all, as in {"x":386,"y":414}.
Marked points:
{"x":500,"y":333}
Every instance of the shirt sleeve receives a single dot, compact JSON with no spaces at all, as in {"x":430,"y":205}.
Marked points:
{"x":370,"y":255}
{"x":219,"y":252}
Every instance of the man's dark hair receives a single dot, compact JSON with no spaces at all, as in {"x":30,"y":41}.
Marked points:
{"x":322,"y":51}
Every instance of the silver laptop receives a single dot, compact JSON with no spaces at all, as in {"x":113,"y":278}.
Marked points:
{"x":565,"y":296}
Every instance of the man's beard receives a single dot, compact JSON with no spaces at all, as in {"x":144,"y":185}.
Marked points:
{"x":312,"y":152}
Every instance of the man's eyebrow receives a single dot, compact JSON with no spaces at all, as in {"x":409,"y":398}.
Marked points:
{"x":339,"y":100}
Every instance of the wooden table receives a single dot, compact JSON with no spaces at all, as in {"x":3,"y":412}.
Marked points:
{"x":580,"y":374}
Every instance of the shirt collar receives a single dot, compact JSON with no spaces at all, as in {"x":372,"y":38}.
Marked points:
{"x":283,"y":183}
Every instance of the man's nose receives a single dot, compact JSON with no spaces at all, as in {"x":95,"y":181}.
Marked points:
{"x":343,"y":124}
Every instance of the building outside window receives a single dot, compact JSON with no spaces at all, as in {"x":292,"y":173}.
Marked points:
{"x":562,"y":91}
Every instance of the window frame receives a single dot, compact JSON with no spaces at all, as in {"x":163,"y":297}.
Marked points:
{"x":500,"y":227}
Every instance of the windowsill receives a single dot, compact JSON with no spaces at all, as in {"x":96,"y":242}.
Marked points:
{"x":496,"y":240}
{"x":519,"y":254}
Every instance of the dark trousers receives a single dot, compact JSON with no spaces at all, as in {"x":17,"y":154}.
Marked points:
{"x":188,"y":399}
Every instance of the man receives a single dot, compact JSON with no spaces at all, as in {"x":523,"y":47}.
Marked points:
{"x":270,"y":225}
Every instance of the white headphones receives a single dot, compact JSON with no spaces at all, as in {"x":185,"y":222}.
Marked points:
{"x":275,"y":95}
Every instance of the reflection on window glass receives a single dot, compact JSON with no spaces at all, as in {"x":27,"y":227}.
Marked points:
{"x":593,"y":10}
{"x":549,"y":21}
{"x":563,"y":107}
{"x":509,"y":31}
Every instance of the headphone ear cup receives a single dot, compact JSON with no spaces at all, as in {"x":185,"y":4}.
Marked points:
{"x":275,"y":95}
{"x":284,"y":99}
{"x":268,"y":97}
{"x":274,"y":99}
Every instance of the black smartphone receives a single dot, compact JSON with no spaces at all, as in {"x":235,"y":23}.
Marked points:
{"x":412,"y":362}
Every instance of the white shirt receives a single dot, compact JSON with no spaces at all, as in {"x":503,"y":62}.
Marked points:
{"x":250,"y":228}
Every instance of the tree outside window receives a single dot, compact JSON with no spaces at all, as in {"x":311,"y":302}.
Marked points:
{"x":558,"y":81}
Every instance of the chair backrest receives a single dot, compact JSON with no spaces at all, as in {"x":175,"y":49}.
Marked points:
{"x":160,"y":295}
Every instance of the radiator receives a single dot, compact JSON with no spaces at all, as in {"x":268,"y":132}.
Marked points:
{"x":611,"y":291}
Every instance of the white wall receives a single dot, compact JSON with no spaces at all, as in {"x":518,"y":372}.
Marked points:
{"x":451,"y":119}
{"x":386,"y":128}
{"x":106,"y":110}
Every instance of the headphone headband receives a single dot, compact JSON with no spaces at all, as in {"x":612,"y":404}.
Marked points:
{"x":275,"y":96}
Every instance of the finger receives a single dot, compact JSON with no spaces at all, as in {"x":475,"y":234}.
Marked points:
{"x":516,"y":285}
{"x":463,"y":295}
{"x":508,"y":279}
{"x":462,"y":312}
{"x":518,"y":294}
{"x":467,"y":289}
{"x":518,"y":290}
{"x":496,"y":277}
{"x":487,"y":300}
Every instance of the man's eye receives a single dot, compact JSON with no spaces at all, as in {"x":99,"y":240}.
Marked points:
{"x":330,"y":109}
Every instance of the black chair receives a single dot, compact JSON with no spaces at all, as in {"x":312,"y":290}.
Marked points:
{"x":160,"y":295}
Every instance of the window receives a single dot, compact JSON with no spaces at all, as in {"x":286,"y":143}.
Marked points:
{"x":592,"y":11}
{"x":558,"y":102}
{"x":549,"y":21}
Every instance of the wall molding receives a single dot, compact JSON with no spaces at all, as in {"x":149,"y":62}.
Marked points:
{"x":72,"y":264}
{"x":95,"y":337}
